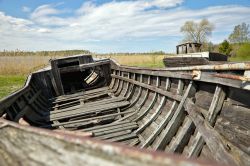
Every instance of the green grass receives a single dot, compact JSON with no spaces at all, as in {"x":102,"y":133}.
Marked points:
{"x":239,"y":59}
{"x":10,"y":83}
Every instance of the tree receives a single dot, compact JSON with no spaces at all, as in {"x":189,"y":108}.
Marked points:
{"x":225,"y":48}
{"x":197,"y":32}
{"x":240,"y":34}
{"x":209,"y":46}
{"x":244,"y":51}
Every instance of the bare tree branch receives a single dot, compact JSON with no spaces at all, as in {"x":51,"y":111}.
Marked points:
{"x":197,"y":32}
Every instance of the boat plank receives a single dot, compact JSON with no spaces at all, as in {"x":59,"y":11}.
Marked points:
{"x":236,"y":134}
{"x":81,"y":121}
{"x":83,"y":66}
{"x":223,"y":151}
{"x":115,"y":136}
{"x":145,"y":112}
{"x":237,"y":114}
{"x":128,"y":127}
{"x":83,"y":96}
{"x":88,"y":110}
{"x":215,"y":107}
{"x":108,"y":127}
{"x":27,"y":107}
{"x":182,"y":136}
{"x":103,"y":127}
{"x":90,"y":104}
{"x":123,"y":137}
{"x":152,"y":117}
{"x":176,"y":120}
{"x":136,"y":110}
{"x":168,"y":117}
{"x":152,"y":88}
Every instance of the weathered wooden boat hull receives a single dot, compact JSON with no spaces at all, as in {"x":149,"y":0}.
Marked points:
{"x":199,"y":111}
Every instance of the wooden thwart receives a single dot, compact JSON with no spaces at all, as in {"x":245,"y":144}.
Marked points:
{"x":84,"y":121}
{"x":89,"y":110}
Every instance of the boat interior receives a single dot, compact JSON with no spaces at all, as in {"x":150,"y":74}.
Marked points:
{"x":196,"y":113}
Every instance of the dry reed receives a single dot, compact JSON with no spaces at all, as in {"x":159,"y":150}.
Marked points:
{"x":19,"y":65}
{"x":137,"y":60}
{"x":22,"y":65}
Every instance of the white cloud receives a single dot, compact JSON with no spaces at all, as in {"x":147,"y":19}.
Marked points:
{"x":164,"y":3}
{"x":9,"y":23}
{"x":138,"y":5}
{"x":44,"y":10}
{"x":48,"y":14}
{"x":86,"y":7}
{"x":44,"y":30}
{"x":26,"y":9}
{"x":112,"y":21}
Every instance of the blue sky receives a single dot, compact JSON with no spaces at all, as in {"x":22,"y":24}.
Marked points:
{"x":112,"y":26}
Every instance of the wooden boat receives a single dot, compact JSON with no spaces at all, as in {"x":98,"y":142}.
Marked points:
{"x":85,"y":111}
{"x":189,"y":54}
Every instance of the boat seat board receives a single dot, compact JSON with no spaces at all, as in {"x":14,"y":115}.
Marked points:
{"x":88,"y":110}
{"x":72,"y":102}
{"x":123,"y":137}
{"x":83,"y":95}
{"x":94,"y":119}
{"x":116,"y":132}
{"x":105,"y":126}
{"x":89,"y":104}
{"x":80,"y":94}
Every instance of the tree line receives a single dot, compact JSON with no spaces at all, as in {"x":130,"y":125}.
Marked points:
{"x":43,"y":53}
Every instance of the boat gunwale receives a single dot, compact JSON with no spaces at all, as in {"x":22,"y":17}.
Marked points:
{"x":226,"y":66}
